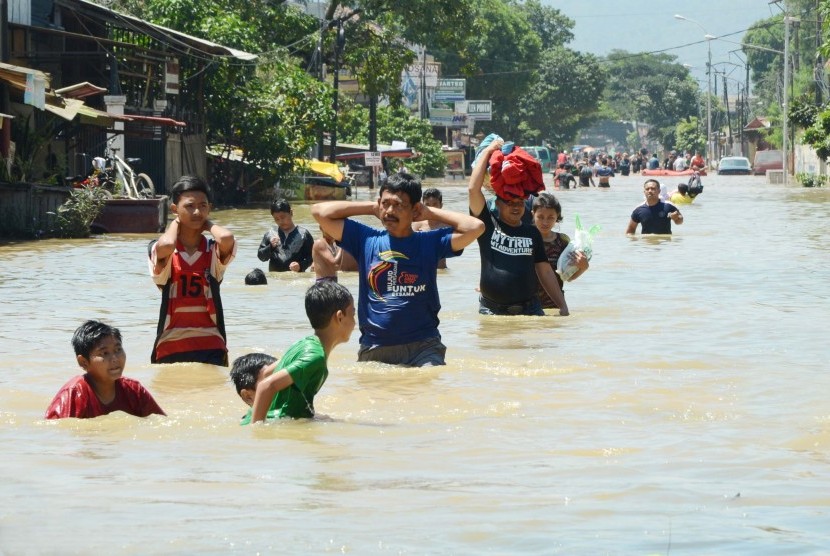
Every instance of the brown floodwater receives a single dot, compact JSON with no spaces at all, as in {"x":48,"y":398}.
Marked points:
{"x":681,"y":408}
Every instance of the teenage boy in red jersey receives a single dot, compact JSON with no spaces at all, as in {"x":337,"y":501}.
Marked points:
{"x":102,"y":389}
{"x":188,"y":269}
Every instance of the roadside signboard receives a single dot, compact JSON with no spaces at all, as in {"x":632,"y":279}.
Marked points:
{"x":451,"y":90}
{"x":447,"y":118}
{"x":372,"y":159}
{"x":416,"y":70}
{"x":480,"y":110}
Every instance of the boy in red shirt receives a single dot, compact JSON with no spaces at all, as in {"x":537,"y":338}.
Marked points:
{"x":102,"y":389}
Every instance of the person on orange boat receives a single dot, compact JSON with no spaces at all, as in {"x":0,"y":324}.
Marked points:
{"x":653,"y":162}
{"x":513,"y":260}
{"x":654,"y":215}
{"x":697,"y":162}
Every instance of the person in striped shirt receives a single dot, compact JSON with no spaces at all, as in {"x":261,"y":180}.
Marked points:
{"x":188,"y":268}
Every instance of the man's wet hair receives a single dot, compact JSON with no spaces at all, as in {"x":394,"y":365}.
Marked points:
{"x":683,"y":189}
{"x":90,"y":334}
{"x":245,"y":370}
{"x":548,"y":200}
{"x":323,"y":299}
{"x":280,"y":205}
{"x":433,"y":193}
{"x":186,"y":184}
{"x":256,"y":278}
{"x":403,"y":182}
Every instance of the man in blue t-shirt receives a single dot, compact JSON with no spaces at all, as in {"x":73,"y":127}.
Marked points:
{"x":654,"y":215}
{"x":398,"y":300}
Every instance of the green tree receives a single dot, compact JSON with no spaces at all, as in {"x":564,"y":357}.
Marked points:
{"x":564,"y":97}
{"x":499,"y":61}
{"x":651,"y":88}
{"x":396,"y":124}
{"x":554,"y":28}
{"x":689,"y":136}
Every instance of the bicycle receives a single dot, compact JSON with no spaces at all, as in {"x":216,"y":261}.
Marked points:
{"x":114,"y":170}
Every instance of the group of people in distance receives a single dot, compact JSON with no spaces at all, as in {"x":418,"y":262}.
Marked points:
{"x":397,"y":301}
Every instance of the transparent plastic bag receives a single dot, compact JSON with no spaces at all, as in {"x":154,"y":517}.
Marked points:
{"x":582,"y":240}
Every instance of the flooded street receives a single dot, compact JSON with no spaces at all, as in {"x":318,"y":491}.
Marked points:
{"x":681,"y":408}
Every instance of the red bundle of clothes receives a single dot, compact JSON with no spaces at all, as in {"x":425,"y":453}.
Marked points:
{"x":517,"y":174}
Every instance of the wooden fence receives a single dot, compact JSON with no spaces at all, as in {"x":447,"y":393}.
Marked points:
{"x":25,"y":208}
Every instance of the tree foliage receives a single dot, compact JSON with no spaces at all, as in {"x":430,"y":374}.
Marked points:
{"x":396,"y":124}
{"x":564,"y":97}
{"x":689,"y":136}
{"x":499,"y":61}
{"x":651,"y":88}
{"x":554,"y":28}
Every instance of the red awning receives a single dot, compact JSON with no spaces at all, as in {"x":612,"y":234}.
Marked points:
{"x":156,"y":120}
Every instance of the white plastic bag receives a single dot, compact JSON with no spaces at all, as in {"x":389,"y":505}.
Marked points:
{"x":582,"y":240}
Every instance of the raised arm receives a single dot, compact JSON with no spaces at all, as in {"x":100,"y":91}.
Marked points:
{"x":477,"y":200}
{"x":166,"y":244}
{"x":331,"y":214}
{"x":224,"y":238}
{"x":466,"y":228}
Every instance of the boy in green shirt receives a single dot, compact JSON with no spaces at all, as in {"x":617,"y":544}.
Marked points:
{"x":286,"y":389}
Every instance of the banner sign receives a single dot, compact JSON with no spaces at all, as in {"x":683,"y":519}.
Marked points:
{"x":372,"y":159}
{"x":451,"y":90}
{"x":447,"y":117}
{"x":480,"y":110}
{"x":430,"y":69}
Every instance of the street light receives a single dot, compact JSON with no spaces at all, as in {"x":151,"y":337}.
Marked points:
{"x":708,"y":38}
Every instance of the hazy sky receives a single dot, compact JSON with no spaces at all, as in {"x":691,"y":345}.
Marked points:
{"x":649,"y":25}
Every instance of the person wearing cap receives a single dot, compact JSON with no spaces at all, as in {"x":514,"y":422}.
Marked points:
{"x":513,"y":260}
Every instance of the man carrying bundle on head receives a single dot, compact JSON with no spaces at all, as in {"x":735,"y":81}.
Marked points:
{"x":513,"y":260}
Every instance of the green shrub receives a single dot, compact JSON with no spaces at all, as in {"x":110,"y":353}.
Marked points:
{"x":73,"y":218}
{"x":811,"y":180}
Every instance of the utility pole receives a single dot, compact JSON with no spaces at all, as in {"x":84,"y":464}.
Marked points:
{"x":786,"y":94}
{"x":728,"y":118}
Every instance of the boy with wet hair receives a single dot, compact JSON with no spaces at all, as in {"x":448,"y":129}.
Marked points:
{"x":277,"y":390}
{"x":256,"y":278}
{"x":102,"y":389}
{"x":433,"y":199}
{"x":188,"y":268}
